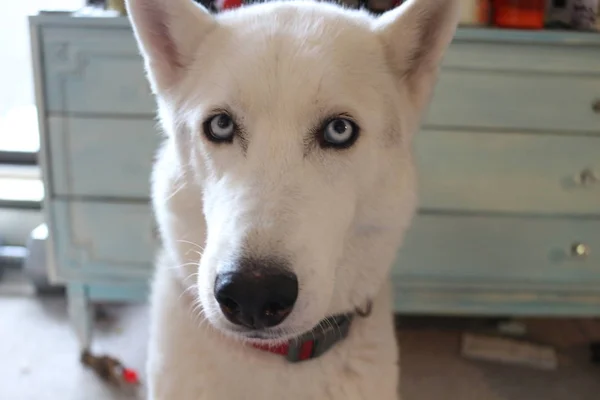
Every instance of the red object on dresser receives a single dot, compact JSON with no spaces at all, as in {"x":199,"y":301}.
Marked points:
{"x":519,"y":14}
{"x":228,"y":4}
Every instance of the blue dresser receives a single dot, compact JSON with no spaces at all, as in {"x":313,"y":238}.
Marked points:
{"x":509,"y":159}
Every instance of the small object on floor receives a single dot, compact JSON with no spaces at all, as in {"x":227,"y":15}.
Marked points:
{"x":512,"y":328}
{"x":111,"y":370}
{"x":595,"y":352}
{"x":509,"y":351}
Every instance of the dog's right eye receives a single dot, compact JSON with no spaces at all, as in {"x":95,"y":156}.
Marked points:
{"x":219,"y":128}
{"x":339,"y":133}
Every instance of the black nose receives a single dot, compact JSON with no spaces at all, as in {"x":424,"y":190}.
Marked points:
{"x":256,"y":297}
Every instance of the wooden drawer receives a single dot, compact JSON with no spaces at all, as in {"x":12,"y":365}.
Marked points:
{"x":486,"y":251}
{"x":506,"y":172}
{"x":94,"y":71}
{"x":101,"y":157}
{"x":95,"y":240}
{"x":512,"y":100}
{"x":502,"y":50}
{"x":136,"y":291}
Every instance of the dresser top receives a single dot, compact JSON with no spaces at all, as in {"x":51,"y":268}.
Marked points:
{"x":476,"y":34}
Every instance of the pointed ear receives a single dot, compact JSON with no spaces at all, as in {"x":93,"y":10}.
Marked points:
{"x":168,"y":32}
{"x":416,"y":35}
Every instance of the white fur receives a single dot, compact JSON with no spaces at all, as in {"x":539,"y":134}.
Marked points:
{"x":338,"y":215}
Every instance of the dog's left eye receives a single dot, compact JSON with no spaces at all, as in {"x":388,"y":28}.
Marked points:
{"x":219,"y":128}
{"x":340,"y":132}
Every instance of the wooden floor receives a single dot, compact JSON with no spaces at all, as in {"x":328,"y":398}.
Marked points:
{"x":39,"y":357}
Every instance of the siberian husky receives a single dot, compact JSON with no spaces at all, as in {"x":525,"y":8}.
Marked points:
{"x":282,"y":192}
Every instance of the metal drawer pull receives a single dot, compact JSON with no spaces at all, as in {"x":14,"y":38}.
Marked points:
{"x":587,"y":177}
{"x":580,"y":250}
{"x":596,"y":106}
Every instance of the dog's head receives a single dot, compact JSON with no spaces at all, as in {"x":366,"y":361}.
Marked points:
{"x":286,"y":180}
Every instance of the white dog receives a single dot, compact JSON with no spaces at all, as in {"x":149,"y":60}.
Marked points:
{"x":282,"y":192}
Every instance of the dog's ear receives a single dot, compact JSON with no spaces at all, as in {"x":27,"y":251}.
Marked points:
{"x":168,"y":32}
{"x":416,"y":35}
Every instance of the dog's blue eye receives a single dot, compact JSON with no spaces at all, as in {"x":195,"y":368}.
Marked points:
{"x":340,"y":132}
{"x":220,"y":128}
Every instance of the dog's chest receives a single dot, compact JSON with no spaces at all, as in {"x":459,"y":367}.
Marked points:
{"x":203,"y":370}
{"x":312,"y":381}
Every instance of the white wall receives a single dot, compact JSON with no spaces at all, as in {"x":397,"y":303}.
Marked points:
{"x":17,"y":96}
{"x":16,"y":87}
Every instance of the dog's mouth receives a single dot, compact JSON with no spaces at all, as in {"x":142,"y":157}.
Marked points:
{"x":264,"y":337}
{"x":280,"y":335}
{"x":267,"y":336}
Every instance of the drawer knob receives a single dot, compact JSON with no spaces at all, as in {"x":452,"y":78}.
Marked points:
{"x":587,"y":177}
{"x":596,"y":106}
{"x":580,"y":250}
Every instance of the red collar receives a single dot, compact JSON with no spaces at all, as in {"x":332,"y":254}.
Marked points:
{"x":305,"y":351}
{"x":315,"y":342}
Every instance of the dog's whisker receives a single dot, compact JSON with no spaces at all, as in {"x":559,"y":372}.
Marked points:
{"x":332,"y":322}
{"x":200,"y":254}
{"x":188,"y":289}
{"x":312,"y":332}
{"x":174,"y":267}
{"x":199,"y":314}
{"x":328,"y":323}
{"x":174,"y":192}
{"x":192,"y":243}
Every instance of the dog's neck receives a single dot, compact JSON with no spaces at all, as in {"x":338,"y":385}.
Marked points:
{"x":319,"y":340}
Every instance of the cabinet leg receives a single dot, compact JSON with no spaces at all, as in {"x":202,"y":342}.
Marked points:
{"x":80,"y":313}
